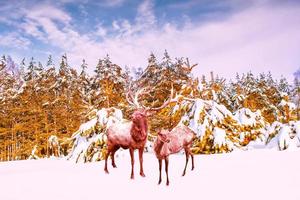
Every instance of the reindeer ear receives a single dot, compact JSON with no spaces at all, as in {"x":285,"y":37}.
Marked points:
{"x":160,"y":133}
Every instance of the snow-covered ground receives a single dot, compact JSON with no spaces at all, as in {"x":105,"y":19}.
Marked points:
{"x":257,"y":174}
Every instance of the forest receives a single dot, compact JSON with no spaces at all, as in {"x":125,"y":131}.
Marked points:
{"x":39,"y":101}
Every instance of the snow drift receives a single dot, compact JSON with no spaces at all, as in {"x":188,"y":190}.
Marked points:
{"x":90,"y":139}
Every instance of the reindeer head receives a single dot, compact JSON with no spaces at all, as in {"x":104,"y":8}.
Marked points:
{"x":162,"y":136}
{"x":139,"y":119}
{"x":139,"y":116}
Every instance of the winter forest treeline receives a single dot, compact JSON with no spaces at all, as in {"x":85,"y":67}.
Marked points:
{"x":37,"y":101}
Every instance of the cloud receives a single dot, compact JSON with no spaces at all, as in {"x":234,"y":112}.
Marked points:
{"x":112,"y":3}
{"x":261,"y":37}
{"x":145,"y":14}
{"x":31,"y":28}
{"x":14,"y":40}
{"x":101,"y":31}
{"x":49,"y":12}
{"x":101,"y":3}
{"x":52,"y":25}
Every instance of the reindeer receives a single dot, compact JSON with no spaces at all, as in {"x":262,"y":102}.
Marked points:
{"x":131,"y":135}
{"x":170,"y":142}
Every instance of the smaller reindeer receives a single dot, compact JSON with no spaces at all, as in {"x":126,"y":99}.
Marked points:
{"x":170,"y":142}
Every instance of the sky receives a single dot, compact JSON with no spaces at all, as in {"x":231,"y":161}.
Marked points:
{"x":225,"y":37}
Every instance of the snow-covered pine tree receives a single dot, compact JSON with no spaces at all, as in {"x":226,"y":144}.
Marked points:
{"x":22,"y":68}
{"x":82,"y":99}
{"x":7,"y":92}
{"x":49,"y":96}
{"x":85,"y":83}
{"x":166,"y":60}
{"x":159,"y":78}
{"x":260,"y":93}
{"x":50,"y":62}
{"x":32,"y":71}
{"x":219,"y":91}
{"x":287,"y":109}
{"x":237,"y":94}
{"x":30,"y":98}
{"x":296,"y":92}
{"x":137,"y":72}
{"x":108,"y":85}
{"x":2,"y":63}
{"x":283,"y":86}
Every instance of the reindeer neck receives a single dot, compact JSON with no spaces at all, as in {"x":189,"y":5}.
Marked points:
{"x":139,"y":133}
{"x":159,"y":146}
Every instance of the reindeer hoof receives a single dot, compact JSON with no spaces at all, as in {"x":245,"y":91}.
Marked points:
{"x":142,"y":174}
{"x":183,"y":174}
{"x":159,"y":182}
{"x":167,"y":183}
{"x":114,"y":166}
{"x":106,"y":171}
{"x":132,"y":177}
{"x":193,"y":168}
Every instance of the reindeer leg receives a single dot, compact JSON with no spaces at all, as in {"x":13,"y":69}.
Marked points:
{"x":141,"y":151}
{"x":167,"y":168}
{"x":132,"y":162}
{"x":160,"y":164}
{"x":113,"y":157}
{"x":106,"y":157}
{"x":192,"y":156}
{"x":186,"y":160}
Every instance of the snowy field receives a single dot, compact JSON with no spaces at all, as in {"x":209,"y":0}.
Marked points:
{"x":259,"y":174}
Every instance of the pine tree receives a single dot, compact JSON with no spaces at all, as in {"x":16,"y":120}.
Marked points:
{"x":7,"y":133}
{"x":32,"y":70}
{"x":22,"y":68}
{"x":64,"y":68}
{"x":284,"y":86}
{"x":83,"y":67}
{"x":160,"y":77}
{"x":296,"y":93}
{"x":85,"y":84}
{"x":166,"y":60}
{"x":49,"y":62}
{"x":152,"y":60}
{"x":138,"y":72}
{"x":109,"y":85}
{"x":2,"y":63}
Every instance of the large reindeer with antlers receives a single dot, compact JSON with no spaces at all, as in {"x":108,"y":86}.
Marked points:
{"x":131,"y":135}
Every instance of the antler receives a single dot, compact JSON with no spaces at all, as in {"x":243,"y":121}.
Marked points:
{"x":134,"y":100}
{"x":137,"y":94}
{"x":166,"y":103}
{"x":129,"y":96}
